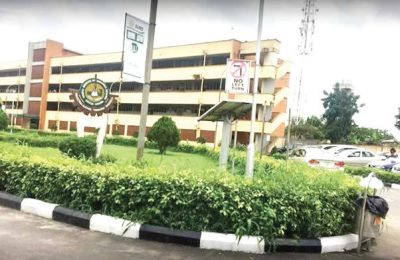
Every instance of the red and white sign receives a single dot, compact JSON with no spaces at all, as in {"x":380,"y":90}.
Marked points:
{"x":238,"y":76}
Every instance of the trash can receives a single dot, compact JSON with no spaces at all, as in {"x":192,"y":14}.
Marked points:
{"x":376,"y":209}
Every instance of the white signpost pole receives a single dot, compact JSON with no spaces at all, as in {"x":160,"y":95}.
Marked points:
{"x":250,"y":147}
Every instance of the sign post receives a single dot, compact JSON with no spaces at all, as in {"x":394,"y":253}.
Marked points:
{"x":135,"y":49}
{"x":94,"y":99}
{"x":238,"y":76}
{"x":146,"y":86}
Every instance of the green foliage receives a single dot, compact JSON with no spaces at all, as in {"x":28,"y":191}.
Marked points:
{"x":385,"y":176}
{"x":286,"y":199}
{"x":397,"y":124}
{"x":340,"y":107}
{"x":79,"y":147}
{"x":3,"y":120}
{"x":117,"y":140}
{"x":201,"y":140}
{"x":31,"y":138}
{"x":165,"y":133}
{"x":104,"y":159}
{"x":363,"y":135}
{"x":311,"y":128}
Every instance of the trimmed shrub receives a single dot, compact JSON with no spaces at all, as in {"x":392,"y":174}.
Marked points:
{"x":201,"y":140}
{"x":286,"y":200}
{"x":104,"y":159}
{"x":165,"y":133}
{"x":3,"y":120}
{"x":385,"y":176}
{"x":79,"y":147}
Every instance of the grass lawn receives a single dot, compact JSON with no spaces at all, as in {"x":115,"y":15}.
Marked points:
{"x":127,"y":155}
{"x":171,"y":160}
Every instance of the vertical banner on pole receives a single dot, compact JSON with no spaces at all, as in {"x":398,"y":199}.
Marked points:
{"x":135,"y":47}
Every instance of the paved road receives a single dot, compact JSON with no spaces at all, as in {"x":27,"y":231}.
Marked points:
{"x":24,"y":236}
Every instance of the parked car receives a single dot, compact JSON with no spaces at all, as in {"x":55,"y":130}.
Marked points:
{"x":350,"y":157}
{"x":396,"y":168}
{"x":338,"y":148}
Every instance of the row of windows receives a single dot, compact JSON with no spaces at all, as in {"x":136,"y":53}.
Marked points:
{"x":13,"y":89}
{"x":130,"y":108}
{"x":218,"y":59}
{"x":11,"y":105}
{"x":13,"y":72}
{"x":116,"y":66}
{"x":156,"y":86}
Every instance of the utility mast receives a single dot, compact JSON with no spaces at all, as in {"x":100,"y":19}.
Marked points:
{"x":305,"y":46}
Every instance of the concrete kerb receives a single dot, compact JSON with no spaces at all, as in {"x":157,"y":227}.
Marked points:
{"x":204,"y":240}
{"x":393,"y":186}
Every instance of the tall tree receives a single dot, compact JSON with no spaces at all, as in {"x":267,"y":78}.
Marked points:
{"x":340,"y":107}
{"x":397,"y":124}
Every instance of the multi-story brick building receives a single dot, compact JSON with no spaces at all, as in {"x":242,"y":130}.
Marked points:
{"x":186,"y":81}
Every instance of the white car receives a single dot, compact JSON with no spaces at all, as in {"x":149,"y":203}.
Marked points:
{"x":396,"y":168}
{"x":338,"y":148}
{"x":350,"y":157}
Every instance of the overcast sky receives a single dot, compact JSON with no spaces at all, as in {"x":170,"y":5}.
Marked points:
{"x":355,"y":41}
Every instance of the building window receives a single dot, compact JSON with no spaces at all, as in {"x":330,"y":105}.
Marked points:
{"x":217,"y":59}
{"x":173,"y":109}
{"x":214,"y":84}
{"x":178,"y":62}
{"x":64,"y":106}
{"x":181,"y":85}
{"x":12,"y":72}
{"x":116,"y":66}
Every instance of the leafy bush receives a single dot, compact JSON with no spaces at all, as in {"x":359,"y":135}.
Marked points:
{"x":31,"y":139}
{"x":287,"y":199}
{"x":201,"y":140}
{"x":385,"y":176}
{"x":104,"y":159}
{"x":117,"y":140}
{"x":165,"y":133}
{"x":79,"y":147}
{"x":3,"y":120}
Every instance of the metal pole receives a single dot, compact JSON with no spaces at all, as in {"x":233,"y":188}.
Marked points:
{"x":146,"y":85}
{"x":219,"y":99}
{"x":250,"y":147}
{"x":262,"y":131}
{"x":288,"y":134}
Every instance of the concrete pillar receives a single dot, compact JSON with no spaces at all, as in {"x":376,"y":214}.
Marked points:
{"x":226,"y":139}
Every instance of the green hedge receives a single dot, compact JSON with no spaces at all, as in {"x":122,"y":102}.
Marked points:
{"x":385,"y":176}
{"x":284,"y":201}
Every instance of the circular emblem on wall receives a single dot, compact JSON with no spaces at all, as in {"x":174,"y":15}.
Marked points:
{"x":93,"y":97}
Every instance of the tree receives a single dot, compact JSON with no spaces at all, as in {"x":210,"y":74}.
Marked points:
{"x":165,"y":133}
{"x":340,"y":107}
{"x":311,"y":128}
{"x":363,"y":135}
{"x":3,"y":120}
{"x":397,"y":124}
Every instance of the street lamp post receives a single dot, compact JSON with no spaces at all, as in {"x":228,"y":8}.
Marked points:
{"x":12,"y":105}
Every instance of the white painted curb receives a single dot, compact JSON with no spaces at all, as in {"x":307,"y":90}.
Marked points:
{"x":339,"y":243}
{"x":38,"y":208}
{"x":116,"y":226}
{"x":229,"y":242}
{"x":396,"y":186}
